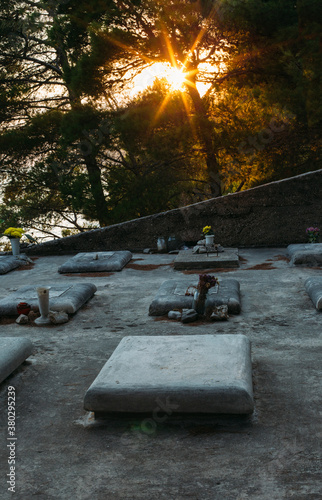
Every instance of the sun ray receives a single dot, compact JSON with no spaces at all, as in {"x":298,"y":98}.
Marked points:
{"x":200,"y":34}
{"x":173,"y":61}
{"x":192,"y":125}
{"x":195,"y":43}
{"x":162,"y":107}
{"x":177,"y":76}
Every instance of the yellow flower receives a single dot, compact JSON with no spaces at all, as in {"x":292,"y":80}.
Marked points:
{"x":14,"y":232}
{"x":206,"y":229}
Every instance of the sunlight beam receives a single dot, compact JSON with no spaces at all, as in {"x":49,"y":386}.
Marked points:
{"x":173,"y":61}
{"x":192,"y":125}
{"x":162,"y":107}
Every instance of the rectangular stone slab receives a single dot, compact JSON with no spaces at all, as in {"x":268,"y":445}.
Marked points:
{"x":10,"y":262}
{"x":309,"y":254}
{"x":85,"y":262}
{"x":313,"y":287}
{"x":188,"y":260}
{"x":13,"y":352}
{"x":62,"y":297}
{"x":171,"y":295}
{"x":186,"y":374}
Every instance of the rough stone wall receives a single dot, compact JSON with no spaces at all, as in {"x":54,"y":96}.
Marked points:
{"x":274,"y":214}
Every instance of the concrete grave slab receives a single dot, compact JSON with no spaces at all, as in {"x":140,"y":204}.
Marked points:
{"x":186,"y":374}
{"x":309,"y":254}
{"x":13,"y":352}
{"x":171,"y":295}
{"x":313,"y":287}
{"x":62,"y":297}
{"x":186,"y":259}
{"x":10,"y":262}
{"x":85,"y":262}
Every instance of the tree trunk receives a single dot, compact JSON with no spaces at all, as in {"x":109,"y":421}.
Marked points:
{"x":206,"y":138}
{"x":94,"y":175}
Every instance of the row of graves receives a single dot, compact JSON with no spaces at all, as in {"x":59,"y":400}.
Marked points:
{"x":194,"y":374}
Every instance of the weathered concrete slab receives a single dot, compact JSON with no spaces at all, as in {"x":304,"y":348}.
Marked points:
{"x":313,"y":287}
{"x":188,"y":260}
{"x":186,"y":374}
{"x":171,"y":295}
{"x":62,"y":297}
{"x":309,"y":254}
{"x":96,"y":262}
{"x":10,"y":262}
{"x":13,"y":352}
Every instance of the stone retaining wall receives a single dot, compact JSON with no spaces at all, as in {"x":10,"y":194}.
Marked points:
{"x":274,"y":214}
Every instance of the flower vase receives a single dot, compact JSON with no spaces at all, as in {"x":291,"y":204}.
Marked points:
{"x":43,"y":300}
{"x":210,"y":238}
{"x":15,"y":246}
{"x":199,"y":302}
{"x":161,"y":244}
{"x":172,"y":243}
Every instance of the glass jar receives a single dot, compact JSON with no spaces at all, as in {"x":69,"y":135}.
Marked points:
{"x":172,"y":243}
{"x":161,"y":244}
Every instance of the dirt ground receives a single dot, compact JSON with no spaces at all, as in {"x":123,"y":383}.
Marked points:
{"x":61,"y":452}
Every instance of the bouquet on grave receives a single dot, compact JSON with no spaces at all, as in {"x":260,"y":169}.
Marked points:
{"x":14,"y":232}
{"x":206,"y":281}
{"x":18,"y":232}
{"x":207,"y":231}
{"x":313,"y":234}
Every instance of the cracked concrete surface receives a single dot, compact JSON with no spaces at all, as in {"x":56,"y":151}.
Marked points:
{"x":62,"y":453}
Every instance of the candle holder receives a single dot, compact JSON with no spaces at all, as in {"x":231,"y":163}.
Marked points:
{"x":23,"y":308}
{"x":43,"y":299}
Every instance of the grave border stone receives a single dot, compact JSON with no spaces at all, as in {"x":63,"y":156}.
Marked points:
{"x":89,"y":262}
{"x":186,"y":260}
{"x":191,"y":373}
{"x":10,"y":262}
{"x":166,"y":299}
{"x":305,"y":254}
{"x":71,"y":297}
{"x":13,"y":352}
{"x":313,"y":287}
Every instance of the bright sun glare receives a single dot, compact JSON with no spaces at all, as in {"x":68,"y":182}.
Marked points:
{"x":174,"y":76}
{"x":145,"y":79}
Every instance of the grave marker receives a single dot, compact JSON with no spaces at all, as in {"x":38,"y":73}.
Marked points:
{"x":62,"y":297}
{"x":10,"y":262}
{"x":313,"y":287}
{"x":190,"y":374}
{"x":186,"y":259}
{"x":13,"y":352}
{"x":86,"y":262}
{"x":171,"y":295}
{"x":309,"y":254}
